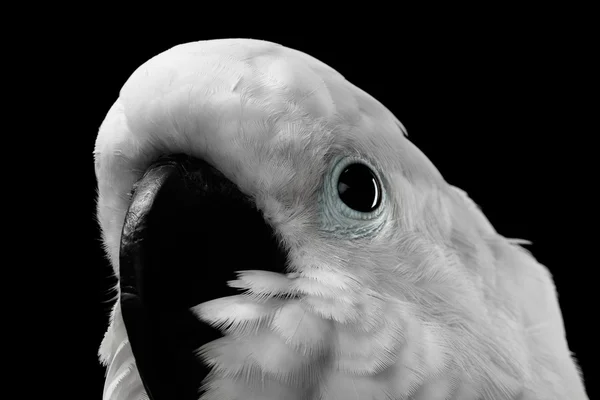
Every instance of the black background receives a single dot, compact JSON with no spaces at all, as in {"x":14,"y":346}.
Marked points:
{"x":495,"y":110}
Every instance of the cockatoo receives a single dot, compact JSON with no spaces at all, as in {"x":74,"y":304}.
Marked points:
{"x":277,"y":236}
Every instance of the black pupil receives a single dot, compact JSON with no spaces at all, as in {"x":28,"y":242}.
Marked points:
{"x":358,"y":188}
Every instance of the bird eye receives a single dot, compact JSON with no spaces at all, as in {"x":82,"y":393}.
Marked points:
{"x":359,"y":188}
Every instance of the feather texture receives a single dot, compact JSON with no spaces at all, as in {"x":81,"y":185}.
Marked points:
{"x":433,"y":304}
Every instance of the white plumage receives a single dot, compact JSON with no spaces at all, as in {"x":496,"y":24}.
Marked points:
{"x":425,"y":301}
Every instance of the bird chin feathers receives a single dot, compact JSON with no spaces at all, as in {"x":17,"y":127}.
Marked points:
{"x":122,"y":380}
{"x":304,"y":335}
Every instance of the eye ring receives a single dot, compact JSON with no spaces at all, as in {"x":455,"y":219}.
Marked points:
{"x":365,"y":169}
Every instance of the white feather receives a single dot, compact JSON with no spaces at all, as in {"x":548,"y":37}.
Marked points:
{"x":236,"y":314}
{"x":434,"y":305}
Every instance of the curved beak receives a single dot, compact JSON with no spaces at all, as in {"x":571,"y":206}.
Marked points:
{"x":186,"y":233}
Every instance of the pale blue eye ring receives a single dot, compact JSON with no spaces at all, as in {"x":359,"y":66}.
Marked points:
{"x":333,"y":182}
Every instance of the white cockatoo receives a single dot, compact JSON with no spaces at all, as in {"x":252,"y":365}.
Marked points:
{"x":276,"y":236}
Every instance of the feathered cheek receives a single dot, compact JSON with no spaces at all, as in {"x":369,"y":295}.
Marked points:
{"x":292,"y":335}
{"x":273,"y":340}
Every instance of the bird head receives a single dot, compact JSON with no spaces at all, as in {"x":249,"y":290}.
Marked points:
{"x":276,"y":235}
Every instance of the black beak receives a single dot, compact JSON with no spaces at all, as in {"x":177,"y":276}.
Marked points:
{"x":187,"y":231}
